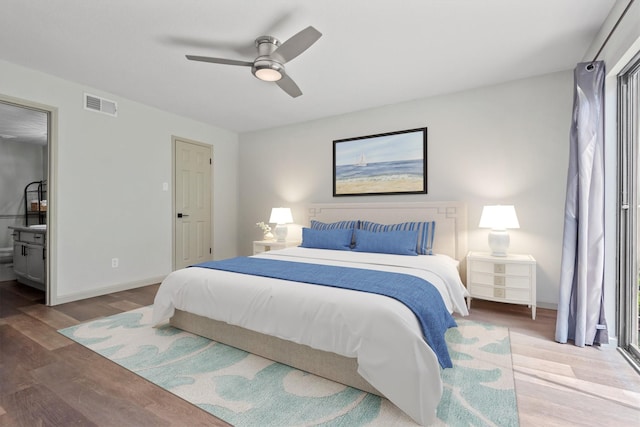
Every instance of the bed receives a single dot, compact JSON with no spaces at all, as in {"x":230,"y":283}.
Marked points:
{"x":368,"y":341}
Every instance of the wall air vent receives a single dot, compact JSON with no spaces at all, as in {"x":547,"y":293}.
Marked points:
{"x":100,"y":105}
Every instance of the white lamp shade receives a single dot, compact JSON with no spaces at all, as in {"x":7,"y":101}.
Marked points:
{"x":499,"y":217}
{"x":281,"y":216}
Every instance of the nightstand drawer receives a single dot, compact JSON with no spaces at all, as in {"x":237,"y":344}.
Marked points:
{"x":509,"y":281}
{"x":499,"y":293}
{"x":501,"y":268}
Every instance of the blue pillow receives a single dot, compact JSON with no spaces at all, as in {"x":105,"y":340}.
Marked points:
{"x":317,"y":225}
{"x":387,"y":242}
{"x":349,"y":224}
{"x":338,"y":239}
{"x":424,"y":238}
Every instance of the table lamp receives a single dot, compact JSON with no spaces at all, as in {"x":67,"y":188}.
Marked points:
{"x":499,"y":218}
{"x":281,"y":217}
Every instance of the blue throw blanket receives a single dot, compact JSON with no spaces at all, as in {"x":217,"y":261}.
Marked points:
{"x":417,"y":294}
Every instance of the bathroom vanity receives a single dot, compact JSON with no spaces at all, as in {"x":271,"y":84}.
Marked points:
{"x":30,"y":254}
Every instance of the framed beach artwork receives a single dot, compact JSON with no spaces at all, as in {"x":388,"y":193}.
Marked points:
{"x":388,"y":163}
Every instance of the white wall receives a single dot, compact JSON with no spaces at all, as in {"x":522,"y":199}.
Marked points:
{"x":505,"y":144}
{"x":109,"y":198}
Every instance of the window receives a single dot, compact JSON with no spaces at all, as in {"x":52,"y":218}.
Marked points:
{"x":629,"y":211}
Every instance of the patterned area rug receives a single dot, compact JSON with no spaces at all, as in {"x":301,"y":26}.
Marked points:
{"x":247,"y":390}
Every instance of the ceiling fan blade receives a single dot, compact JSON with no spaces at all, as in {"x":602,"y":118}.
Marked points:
{"x":219,"y":60}
{"x":289,"y":86}
{"x":242,"y":49}
{"x":296,"y":44}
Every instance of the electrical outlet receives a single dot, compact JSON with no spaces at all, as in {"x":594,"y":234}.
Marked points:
{"x":114,"y":262}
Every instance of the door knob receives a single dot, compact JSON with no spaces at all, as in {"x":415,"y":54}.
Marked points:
{"x":180,"y":215}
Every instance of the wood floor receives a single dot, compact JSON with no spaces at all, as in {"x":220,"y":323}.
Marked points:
{"x":48,"y":380}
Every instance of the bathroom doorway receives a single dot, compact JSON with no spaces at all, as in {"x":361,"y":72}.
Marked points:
{"x":25,"y":194}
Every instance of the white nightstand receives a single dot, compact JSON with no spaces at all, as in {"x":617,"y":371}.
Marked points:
{"x":260,"y":246}
{"x":510,"y":279}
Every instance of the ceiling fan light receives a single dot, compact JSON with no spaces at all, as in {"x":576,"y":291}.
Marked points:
{"x":268,"y":74}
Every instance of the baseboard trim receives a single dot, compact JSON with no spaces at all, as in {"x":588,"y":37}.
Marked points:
{"x":548,"y":305}
{"x":62,"y":299}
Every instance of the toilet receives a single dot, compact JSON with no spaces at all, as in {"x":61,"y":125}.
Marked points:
{"x":6,"y":264}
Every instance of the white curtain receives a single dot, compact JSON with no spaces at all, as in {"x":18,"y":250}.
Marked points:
{"x":580,"y":307}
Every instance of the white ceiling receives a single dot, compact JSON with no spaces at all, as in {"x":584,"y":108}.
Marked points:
{"x":372,"y":52}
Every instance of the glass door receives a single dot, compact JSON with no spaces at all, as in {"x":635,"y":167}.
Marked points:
{"x":629,"y":211}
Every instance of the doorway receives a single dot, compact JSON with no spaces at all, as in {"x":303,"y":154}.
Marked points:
{"x":629,"y":211}
{"x":192,"y":237}
{"x":27,"y":141}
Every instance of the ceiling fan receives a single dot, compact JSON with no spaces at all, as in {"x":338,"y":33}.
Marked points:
{"x":272,"y":55}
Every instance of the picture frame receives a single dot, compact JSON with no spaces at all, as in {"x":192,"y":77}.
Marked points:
{"x":382,"y":164}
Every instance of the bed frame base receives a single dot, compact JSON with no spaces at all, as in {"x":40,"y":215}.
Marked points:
{"x":325,"y":364}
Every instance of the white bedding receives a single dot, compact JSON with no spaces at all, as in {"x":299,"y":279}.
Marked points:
{"x":382,"y":333}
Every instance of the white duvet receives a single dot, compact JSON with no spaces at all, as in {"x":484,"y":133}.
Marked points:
{"x":382,"y":333}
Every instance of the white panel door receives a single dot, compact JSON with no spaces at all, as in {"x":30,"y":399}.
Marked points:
{"x":192,"y":206}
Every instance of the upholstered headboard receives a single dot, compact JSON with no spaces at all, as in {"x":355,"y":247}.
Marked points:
{"x":450,"y":218}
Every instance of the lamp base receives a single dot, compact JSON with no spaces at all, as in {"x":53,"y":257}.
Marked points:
{"x":281,"y":232}
{"x":499,"y":242}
